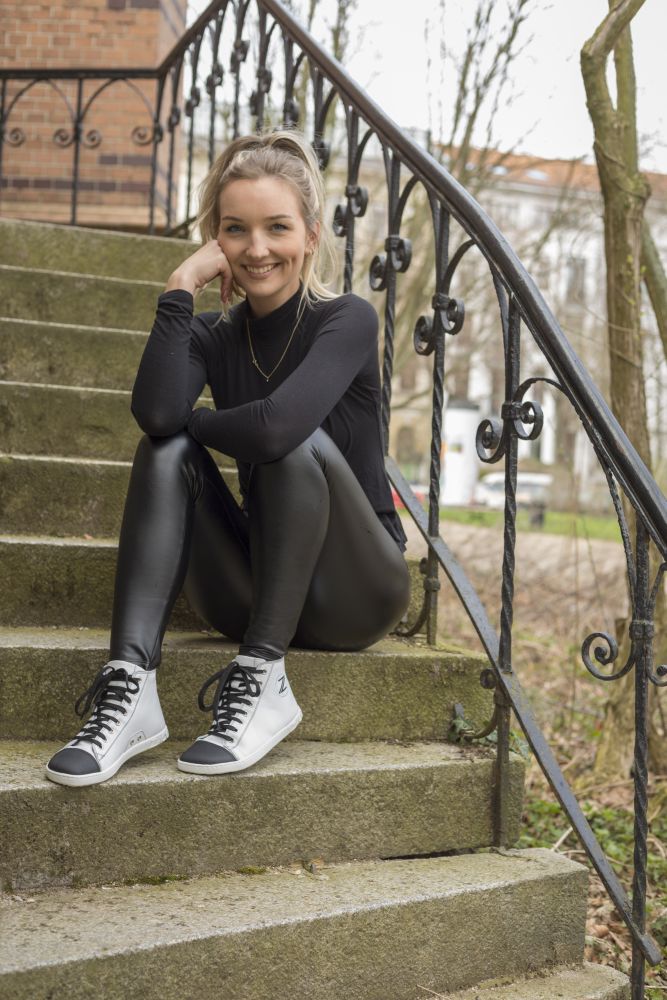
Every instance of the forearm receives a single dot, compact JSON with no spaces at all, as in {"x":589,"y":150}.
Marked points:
{"x":253,"y":432}
{"x":160,"y":397}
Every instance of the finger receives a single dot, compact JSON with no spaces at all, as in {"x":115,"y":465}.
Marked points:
{"x":227,"y":280}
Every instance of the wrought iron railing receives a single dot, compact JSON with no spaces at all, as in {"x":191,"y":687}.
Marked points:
{"x":221,"y":79}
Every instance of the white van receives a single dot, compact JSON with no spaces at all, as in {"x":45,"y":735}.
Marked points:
{"x":532,"y":489}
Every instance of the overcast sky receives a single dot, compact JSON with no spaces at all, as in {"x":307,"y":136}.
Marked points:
{"x":549,"y":96}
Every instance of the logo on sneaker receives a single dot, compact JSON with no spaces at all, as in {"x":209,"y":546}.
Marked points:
{"x":282,"y":687}
{"x":136,"y":739}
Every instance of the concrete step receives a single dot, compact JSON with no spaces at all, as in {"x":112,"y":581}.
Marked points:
{"x":63,"y":297}
{"x":579,"y":982}
{"x":69,"y":581}
{"x":400,"y":800}
{"x":396,"y":689}
{"x":65,"y":354}
{"x":90,"y":251}
{"x":66,"y":496}
{"x":377,"y":930}
{"x":64,"y":582}
{"x":57,"y":420}
{"x":67,"y":420}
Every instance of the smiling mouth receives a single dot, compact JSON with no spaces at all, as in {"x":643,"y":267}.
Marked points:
{"x":265,"y":269}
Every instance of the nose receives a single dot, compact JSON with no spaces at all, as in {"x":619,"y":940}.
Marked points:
{"x":257,"y":247}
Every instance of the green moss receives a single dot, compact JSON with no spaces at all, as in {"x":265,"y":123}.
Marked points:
{"x":154,"y":879}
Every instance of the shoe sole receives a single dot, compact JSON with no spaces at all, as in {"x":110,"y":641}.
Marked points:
{"x":240,"y":765}
{"x":80,"y":780}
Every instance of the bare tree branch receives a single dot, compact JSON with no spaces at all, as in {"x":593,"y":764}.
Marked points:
{"x":595,"y":53}
{"x":605,"y":37}
{"x":655,"y":280}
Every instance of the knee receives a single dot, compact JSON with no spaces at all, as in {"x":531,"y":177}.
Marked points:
{"x":162,"y":459}
{"x":308,"y":454}
{"x":175,"y":449}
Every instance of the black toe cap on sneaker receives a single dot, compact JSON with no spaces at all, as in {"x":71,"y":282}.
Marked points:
{"x":71,"y":760}
{"x":205,"y":752}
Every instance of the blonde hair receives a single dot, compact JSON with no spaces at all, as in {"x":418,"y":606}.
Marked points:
{"x":288,"y":156}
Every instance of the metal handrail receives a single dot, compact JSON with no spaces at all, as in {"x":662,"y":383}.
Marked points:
{"x":519,"y":301}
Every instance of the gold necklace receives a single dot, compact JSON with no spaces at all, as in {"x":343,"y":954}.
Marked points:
{"x":252,"y":353}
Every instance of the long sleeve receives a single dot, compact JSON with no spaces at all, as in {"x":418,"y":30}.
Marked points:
{"x":172,"y":371}
{"x":266,"y":429}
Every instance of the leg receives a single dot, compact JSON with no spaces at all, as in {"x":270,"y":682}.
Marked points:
{"x":321,"y":560}
{"x":178,"y":511}
{"x":326,"y":573}
{"x":172,"y":479}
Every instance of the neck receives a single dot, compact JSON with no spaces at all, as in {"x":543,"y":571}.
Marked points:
{"x":262,"y":309}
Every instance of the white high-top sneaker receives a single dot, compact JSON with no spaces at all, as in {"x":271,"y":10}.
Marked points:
{"x":126,"y":719}
{"x":253,"y":709}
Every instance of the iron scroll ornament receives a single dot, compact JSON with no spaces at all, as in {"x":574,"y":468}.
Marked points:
{"x":451,"y":313}
{"x":397,"y":258}
{"x":357,"y":203}
{"x":522,"y":417}
{"x":640,"y":631}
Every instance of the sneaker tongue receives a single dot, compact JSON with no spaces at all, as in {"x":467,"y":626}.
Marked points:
{"x":236,"y":688}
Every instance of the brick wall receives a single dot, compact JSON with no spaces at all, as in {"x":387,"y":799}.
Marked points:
{"x":115,"y":173}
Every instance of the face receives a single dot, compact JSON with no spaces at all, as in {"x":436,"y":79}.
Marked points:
{"x":264,"y":237}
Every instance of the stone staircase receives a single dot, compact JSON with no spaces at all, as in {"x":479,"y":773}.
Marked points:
{"x":351,"y":863}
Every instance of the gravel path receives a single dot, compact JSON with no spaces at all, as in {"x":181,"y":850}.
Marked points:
{"x":564,"y":587}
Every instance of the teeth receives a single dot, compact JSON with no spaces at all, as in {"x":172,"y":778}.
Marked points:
{"x":260,"y":270}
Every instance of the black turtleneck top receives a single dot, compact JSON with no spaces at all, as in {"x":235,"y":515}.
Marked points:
{"x":328,"y":378}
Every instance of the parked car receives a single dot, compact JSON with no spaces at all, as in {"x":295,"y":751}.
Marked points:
{"x":532,"y":490}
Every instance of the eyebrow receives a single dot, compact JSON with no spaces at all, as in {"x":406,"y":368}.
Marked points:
{"x":236,"y":218}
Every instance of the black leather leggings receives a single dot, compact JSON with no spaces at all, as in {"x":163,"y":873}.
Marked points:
{"x":309,"y":564}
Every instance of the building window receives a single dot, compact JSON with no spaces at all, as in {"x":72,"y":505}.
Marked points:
{"x":576,"y":279}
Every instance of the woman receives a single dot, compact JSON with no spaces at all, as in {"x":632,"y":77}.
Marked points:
{"x":313,"y":557}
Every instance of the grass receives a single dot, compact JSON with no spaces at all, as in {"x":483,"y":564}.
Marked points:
{"x":555,"y":522}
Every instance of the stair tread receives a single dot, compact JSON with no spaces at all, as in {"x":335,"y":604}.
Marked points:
{"x":68,"y":925}
{"x":66,"y":388}
{"x":580,"y":982}
{"x":65,"y":459}
{"x":22,"y":762}
{"x":115,"y":463}
{"x":54,"y":326}
{"x":98,"y":638}
{"x":93,"y":251}
{"x":78,"y":389}
{"x":53,"y":272}
{"x":57,"y":540}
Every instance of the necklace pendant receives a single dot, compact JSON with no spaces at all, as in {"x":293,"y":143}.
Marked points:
{"x":254,"y":360}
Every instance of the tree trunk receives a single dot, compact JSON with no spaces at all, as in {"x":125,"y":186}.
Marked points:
{"x":624,"y":193}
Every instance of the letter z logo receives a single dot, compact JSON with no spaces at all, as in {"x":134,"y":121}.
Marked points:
{"x":281,"y":685}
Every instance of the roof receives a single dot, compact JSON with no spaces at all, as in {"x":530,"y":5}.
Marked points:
{"x":522,"y":168}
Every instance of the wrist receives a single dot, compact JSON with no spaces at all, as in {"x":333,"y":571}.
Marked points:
{"x":181,"y":280}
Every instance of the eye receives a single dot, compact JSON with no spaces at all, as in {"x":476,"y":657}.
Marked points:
{"x":279,"y":225}
{"x":233,"y":227}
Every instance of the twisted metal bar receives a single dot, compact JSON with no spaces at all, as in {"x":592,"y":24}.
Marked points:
{"x":640,"y":764}
{"x":496,"y":439}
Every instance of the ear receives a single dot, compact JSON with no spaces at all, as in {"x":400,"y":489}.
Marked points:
{"x":313,"y":238}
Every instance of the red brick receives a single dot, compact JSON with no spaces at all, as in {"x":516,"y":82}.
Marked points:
{"x":81,"y":33}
